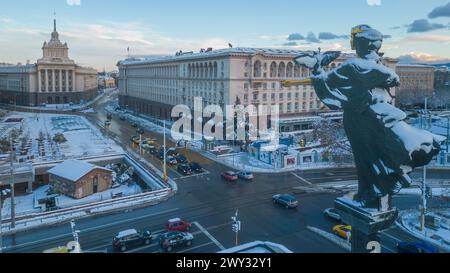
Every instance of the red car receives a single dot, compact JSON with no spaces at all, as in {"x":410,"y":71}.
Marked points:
{"x":230,"y":176}
{"x":177,"y":224}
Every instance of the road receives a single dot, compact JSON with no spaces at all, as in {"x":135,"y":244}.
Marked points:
{"x":209,"y":202}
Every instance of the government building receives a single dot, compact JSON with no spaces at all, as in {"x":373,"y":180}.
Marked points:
{"x":53,"y":79}
{"x":231,"y":76}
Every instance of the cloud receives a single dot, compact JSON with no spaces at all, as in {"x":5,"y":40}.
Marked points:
{"x":331,"y":36}
{"x":100,"y":44}
{"x":374,"y":2}
{"x":312,"y":38}
{"x":441,"y":11}
{"x":292,"y":43}
{"x":5,"y":19}
{"x":419,"y":57}
{"x":423,"y":25}
{"x":295,"y":37}
{"x":73,"y":2}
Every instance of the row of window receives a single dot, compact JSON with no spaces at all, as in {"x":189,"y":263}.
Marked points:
{"x":281,"y":96}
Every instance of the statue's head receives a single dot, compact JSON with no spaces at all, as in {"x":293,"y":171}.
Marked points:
{"x":366,"y":40}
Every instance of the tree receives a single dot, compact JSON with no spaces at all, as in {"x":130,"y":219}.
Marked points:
{"x":332,"y":138}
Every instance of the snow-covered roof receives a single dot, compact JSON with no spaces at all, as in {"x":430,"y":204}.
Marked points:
{"x":73,"y":170}
{"x":279,"y":52}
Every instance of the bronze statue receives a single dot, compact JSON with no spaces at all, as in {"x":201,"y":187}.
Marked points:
{"x":385,"y":148}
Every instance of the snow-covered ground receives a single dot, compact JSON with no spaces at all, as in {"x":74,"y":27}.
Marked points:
{"x":439,"y":236}
{"x":26,"y":204}
{"x":83,"y":138}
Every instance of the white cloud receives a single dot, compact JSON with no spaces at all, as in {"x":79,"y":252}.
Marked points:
{"x":374,"y":2}
{"x":73,"y":2}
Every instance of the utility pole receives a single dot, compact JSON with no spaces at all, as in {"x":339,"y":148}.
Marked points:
{"x":165,"y":154}
{"x":13,"y":206}
{"x":448,"y":132}
{"x":424,"y":187}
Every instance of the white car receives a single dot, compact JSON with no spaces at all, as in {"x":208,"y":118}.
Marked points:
{"x":333,"y":214}
{"x":246,"y":175}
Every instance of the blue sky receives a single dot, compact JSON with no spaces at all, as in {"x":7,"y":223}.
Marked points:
{"x":99,"y":31}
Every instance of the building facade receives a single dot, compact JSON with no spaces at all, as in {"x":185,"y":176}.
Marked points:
{"x":223,"y":77}
{"x":442,"y":79}
{"x":53,"y":79}
{"x":416,"y":83}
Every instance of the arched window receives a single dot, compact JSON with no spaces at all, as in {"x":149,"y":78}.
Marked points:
{"x":290,"y":70}
{"x":257,"y":69}
{"x":297,"y":71}
{"x":281,"y":70}
{"x":273,"y":70}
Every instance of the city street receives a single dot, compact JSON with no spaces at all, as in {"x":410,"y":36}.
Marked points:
{"x":209,"y":203}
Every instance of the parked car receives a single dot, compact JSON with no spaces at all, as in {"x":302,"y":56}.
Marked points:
{"x":135,"y":140}
{"x":246,"y":175}
{"x":131,"y":238}
{"x":122,"y":117}
{"x":150,"y":141}
{"x":107,"y":122}
{"x":134,"y":124}
{"x":184,"y":169}
{"x":170,"y":240}
{"x":140,"y":131}
{"x":229,"y":176}
{"x":177,"y":224}
{"x":181,"y":159}
{"x":285,"y":200}
{"x":332,"y":213}
{"x":343,"y":231}
{"x":172,"y":152}
{"x":195,"y":167}
{"x":109,"y":116}
{"x":171,"y":160}
{"x":416,"y":247}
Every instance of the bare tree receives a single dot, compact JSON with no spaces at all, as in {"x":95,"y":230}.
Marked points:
{"x":333,"y":140}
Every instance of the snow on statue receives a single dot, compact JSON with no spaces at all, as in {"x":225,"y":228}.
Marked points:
{"x":386,"y":149}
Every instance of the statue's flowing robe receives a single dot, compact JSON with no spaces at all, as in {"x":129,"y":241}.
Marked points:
{"x":385,"y":148}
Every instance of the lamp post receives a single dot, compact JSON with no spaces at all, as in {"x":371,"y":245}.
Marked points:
{"x":165,"y":154}
{"x":13,"y":208}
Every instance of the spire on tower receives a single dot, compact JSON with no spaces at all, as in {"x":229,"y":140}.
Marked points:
{"x":54,"y":21}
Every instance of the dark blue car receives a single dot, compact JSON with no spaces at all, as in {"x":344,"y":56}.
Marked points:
{"x":416,"y":247}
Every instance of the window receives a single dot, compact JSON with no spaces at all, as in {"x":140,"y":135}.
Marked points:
{"x":246,"y":86}
{"x":264,"y":97}
{"x":297,"y":95}
{"x":289,"y":107}
{"x":255,"y":96}
{"x":289,"y":95}
{"x":272,"y":96}
{"x":273,"y":85}
{"x":281,"y":96}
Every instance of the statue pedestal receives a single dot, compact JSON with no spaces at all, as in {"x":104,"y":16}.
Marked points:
{"x":366,"y":222}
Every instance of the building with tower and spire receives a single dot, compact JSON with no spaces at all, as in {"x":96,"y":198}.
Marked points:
{"x":53,"y":79}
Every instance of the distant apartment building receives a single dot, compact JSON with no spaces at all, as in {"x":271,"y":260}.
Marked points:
{"x":442,"y":79}
{"x":416,"y":83}
{"x":224,"y":77}
{"x":53,"y":79}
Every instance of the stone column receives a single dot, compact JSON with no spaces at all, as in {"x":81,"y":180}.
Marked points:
{"x":53,"y":81}
{"x":66,"y":72}
{"x":60,"y":81}
{"x":46,"y":80}
{"x":73,"y":81}
{"x":39,"y":81}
